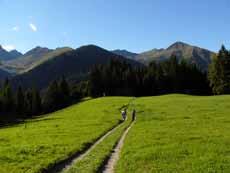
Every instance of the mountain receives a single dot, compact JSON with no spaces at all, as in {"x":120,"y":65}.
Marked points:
{"x":4,"y":74}
{"x":6,"y":56}
{"x":195,"y":55}
{"x":34,"y":57}
{"x":28,"y":58}
{"x":125,"y":53}
{"x":74,"y":65}
{"x":15,"y":53}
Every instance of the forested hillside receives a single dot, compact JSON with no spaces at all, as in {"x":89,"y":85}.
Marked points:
{"x":74,"y":65}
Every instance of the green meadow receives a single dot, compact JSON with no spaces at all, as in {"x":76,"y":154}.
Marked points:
{"x":172,"y":133}
{"x":37,"y":144}
{"x":178,"y":133}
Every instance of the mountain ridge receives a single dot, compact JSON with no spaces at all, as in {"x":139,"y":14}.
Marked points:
{"x":74,"y":65}
{"x":39,"y":55}
{"x":8,"y":55}
{"x":193,"y":54}
{"x":33,"y":57}
{"x":124,"y":53}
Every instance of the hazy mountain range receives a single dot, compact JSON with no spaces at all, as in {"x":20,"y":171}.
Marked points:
{"x":40,"y":65}
{"x":193,"y":54}
{"x":32,"y":58}
{"x":73,"y":64}
{"x":5,"y":55}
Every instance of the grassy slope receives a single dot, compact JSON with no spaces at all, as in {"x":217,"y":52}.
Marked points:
{"x":27,"y":148}
{"x":95,"y":159}
{"x":178,"y":133}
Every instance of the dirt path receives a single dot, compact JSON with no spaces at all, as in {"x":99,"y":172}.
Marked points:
{"x":66,"y":164}
{"x":109,"y":167}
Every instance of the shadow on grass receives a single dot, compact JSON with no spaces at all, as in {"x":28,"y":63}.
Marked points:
{"x":8,"y":120}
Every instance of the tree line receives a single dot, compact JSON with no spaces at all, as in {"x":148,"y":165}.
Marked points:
{"x":171,"y":76}
{"x":31,"y":102}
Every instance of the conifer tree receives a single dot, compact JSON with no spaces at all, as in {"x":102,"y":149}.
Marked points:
{"x":28,"y":103}
{"x":36,"y":102}
{"x":51,"y":99}
{"x":219,"y":72}
{"x":64,"y":90}
{"x":7,"y":97}
{"x":20,"y":101}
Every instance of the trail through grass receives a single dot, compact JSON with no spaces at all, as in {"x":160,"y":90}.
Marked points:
{"x":95,"y":160}
{"x":33,"y":146}
{"x":173,"y":133}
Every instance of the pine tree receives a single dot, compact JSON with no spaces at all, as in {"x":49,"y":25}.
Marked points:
{"x":51,"y":99}
{"x":64,"y":92}
{"x":96,"y":81}
{"x":7,"y":97}
{"x":36,"y":102}
{"x":28,"y":103}
{"x":20,"y":101}
{"x":173,"y":73}
{"x":219,"y":72}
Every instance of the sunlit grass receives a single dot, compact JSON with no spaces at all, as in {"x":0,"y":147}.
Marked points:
{"x":39,"y":143}
{"x":95,"y":160}
{"x":178,"y":133}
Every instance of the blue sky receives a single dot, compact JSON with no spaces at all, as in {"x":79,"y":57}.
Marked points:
{"x":135,"y":25}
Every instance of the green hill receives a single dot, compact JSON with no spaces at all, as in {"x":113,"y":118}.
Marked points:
{"x":39,"y":143}
{"x":172,"y":133}
{"x":178,"y":133}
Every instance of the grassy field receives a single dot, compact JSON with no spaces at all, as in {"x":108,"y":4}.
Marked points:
{"x":173,"y":133}
{"x":94,"y":161}
{"x":178,"y":133}
{"x":32,"y":146}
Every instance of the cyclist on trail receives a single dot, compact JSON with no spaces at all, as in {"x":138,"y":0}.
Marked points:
{"x":123,"y":114}
{"x":134,"y":115}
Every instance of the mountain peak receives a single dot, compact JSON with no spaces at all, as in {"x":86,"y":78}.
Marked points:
{"x":15,"y":53}
{"x":193,"y":54}
{"x":38,"y":50}
{"x":120,"y":50}
{"x":2,"y":49}
{"x":14,"y":50}
{"x":125,"y":53}
{"x":92,"y":46}
{"x":178,"y":45}
{"x":8,"y":55}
